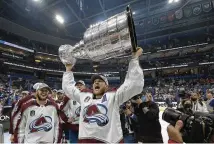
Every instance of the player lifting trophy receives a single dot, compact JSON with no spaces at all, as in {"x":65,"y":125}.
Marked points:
{"x":99,"y":116}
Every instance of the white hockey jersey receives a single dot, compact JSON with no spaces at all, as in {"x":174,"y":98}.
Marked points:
{"x":73,"y":109}
{"x":100,"y":118}
{"x":16,"y":113}
{"x":38,"y":124}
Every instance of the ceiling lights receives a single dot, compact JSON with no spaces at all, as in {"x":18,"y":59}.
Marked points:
{"x":37,"y":0}
{"x":173,"y":1}
{"x":60,"y":19}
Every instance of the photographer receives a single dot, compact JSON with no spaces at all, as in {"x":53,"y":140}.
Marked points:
{"x":128,"y":122}
{"x":186,"y":106}
{"x":196,"y":128}
{"x":175,"y":135}
{"x":147,"y":113}
{"x":174,"y":132}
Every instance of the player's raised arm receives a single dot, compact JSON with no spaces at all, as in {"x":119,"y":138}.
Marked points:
{"x":68,"y":84}
{"x":134,"y":80}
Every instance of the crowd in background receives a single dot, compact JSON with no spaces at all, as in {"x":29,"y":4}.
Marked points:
{"x":135,"y":111}
{"x":164,"y":89}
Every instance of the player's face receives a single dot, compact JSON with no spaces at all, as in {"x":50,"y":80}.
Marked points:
{"x":24,"y":95}
{"x":43,"y":94}
{"x":60,"y":96}
{"x":99,"y":87}
{"x":128,"y":104}
{"x":80,"y":86}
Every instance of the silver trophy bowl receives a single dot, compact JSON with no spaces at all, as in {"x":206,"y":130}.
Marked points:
{"x":112,"y":38}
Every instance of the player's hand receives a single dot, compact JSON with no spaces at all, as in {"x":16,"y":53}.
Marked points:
{"x":68,"y":67}
{"x":127,"y":112}
{"x":138,"y":52}
{"x":12,"y":138}
{"x":174,"y":132}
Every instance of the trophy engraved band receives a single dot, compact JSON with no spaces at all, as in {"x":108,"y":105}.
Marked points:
{"x":112,"y":38}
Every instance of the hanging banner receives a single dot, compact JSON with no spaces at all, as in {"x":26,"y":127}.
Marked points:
{"x":207,"y":6}
{"x":196,"y":9}
{"x":187,"y":11}
{"x":179,"y":14}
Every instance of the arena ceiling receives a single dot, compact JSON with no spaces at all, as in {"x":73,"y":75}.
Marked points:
{"x":39,"y":15}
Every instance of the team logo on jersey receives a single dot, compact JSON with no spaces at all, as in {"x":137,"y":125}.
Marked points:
{"x":87,"y":99}
{"x":77,"y":111}
{"x":96,"y":113}
{"x":43,"y":123}
{"x":32,"y":113}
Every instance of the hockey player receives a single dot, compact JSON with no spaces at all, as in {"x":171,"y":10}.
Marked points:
{"x":70,"y":109}
{"x":80,"y":85}
{"x":99,"y":116}
{"x":39,"y":122}
{"x":15,"y":114}
{"x":63,"y":104}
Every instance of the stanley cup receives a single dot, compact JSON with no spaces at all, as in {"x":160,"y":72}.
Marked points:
{"x":112,"y":38}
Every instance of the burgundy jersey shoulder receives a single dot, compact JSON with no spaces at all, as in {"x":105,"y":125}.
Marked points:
{"x":50,"y":98}
{"x":53,"y":103}
{"x":28,"y":104}
{"x":21,"y":102}
{"x":25,"y":99}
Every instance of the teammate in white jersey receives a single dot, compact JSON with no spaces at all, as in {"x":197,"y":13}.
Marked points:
{"x":99,"y":116}
{"x":39,"y":121}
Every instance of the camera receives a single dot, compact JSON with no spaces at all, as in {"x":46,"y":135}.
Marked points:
{"x":123,"y":107}
{"x":183,"y":94}
{"x":136,"y":97}
{"x":198,"y":128}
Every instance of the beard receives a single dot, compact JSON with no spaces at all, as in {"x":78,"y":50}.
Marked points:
{"x":193,"y":99}
{"x":99,"y":92}
{"x":41,"y":98}
{"x":60,"y":98}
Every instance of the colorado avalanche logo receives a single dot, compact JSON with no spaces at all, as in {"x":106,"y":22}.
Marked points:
{"x":43,"y":123}
{"x":96,"y":114}
{"x":77,"y":111}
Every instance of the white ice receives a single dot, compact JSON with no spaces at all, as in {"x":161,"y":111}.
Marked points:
{"x":163,"y":125}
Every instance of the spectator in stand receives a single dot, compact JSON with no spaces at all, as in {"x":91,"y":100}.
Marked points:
{"x":197,"y":104}
{"x":210,"y":102}
{"x":169,"y":101}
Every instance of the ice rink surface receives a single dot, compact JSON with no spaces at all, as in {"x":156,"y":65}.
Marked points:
{"x":163,"y":125}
